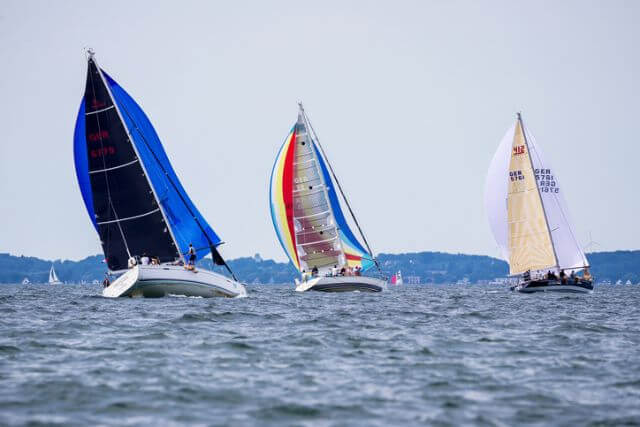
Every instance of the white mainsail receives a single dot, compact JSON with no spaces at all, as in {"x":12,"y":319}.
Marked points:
{"x":53,"y":277}
{"x":317,"y":239}
{"x":514,"y":233}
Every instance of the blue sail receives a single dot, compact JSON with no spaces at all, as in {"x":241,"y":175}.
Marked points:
{"x":186,"y":222}
{"x":82,"y":163}
{"x":353,"y":247}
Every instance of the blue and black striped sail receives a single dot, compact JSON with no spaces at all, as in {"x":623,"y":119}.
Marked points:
{"x":131,"y":192}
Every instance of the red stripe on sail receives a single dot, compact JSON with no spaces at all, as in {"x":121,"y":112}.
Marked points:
{"x":287,"y":189}
{"x":353,"y":257}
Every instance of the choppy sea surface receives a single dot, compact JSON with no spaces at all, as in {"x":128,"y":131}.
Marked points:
{"x":415,"y":355}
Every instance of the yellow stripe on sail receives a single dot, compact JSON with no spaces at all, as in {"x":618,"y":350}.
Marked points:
{"x":530,"y":246}
{"x":286,"y":233}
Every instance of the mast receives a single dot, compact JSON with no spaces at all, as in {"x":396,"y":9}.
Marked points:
{"x":214,"y":254}
{"x":546,"y":220}
{"x":344,"y":197}
{"x":91,"y":56}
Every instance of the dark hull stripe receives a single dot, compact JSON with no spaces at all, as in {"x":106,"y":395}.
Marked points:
{"x":346,"y":287}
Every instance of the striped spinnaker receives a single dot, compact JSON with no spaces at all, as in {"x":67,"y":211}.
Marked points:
{"x":306,"y":211}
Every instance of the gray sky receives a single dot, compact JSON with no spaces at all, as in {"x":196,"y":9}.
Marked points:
{"x":410,"y":100}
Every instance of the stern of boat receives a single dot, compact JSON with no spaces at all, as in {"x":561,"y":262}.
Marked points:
{"x":342,"y":284}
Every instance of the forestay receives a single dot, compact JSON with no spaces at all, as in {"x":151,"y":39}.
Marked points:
{"x":355,"y":253}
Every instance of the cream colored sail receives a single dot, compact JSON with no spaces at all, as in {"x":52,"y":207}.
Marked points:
{"x":530,"y":246}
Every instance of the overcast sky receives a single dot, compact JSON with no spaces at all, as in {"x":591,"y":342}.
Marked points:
{"x":410,"y":100}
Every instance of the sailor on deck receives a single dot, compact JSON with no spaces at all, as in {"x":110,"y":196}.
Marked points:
{"x":563,"y":276}
{"x":192,"y":257}
{"x":192,"y":253}
{"x":106,"y":282}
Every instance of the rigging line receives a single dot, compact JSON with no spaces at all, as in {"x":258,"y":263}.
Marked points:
{"x":175,"y":187}
{"x":375,"y":260}
{"x":564,"y":216}
{"x":106,"y":175}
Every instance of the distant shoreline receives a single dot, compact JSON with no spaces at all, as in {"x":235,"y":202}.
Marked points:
{"x":417,"y":268}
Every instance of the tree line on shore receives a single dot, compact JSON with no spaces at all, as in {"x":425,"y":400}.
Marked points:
{"x":422,"y":267}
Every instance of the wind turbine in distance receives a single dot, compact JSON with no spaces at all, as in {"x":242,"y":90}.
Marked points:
{"x":590,"y":244}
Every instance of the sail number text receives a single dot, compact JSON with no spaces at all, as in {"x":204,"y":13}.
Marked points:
{"x":546,"y":181}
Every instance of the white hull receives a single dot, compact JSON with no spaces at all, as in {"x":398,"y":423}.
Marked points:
{"x":56,"y":282}
{"x":154,"y":281}
{"x":342,"y":284}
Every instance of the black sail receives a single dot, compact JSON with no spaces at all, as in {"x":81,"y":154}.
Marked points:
{"x":128,"y":217}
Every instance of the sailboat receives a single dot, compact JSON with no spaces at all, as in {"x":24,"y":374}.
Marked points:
{"x":309,"y":220}
{"x":53,"y":277}
{"x":136,"y":202}
{"x":396,"y":279}
{"x":530,"y":220}
{"x":26,"y":281}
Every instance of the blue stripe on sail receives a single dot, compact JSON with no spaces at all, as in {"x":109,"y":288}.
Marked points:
{"x":341,"y":221}
{"x":82,"y":164}
{"x":156,"y":162}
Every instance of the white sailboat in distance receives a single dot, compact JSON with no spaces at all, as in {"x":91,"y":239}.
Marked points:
{"x":530,"y":220}
{"x":53,"y":277}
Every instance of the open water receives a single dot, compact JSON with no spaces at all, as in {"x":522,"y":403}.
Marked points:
{"x":415,"y":355}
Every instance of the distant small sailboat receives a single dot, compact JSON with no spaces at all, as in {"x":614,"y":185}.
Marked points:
{"x":53,"y":277}
{"x":529,"y":218}
{"x":309,"y":219}
{"x":136,"y":202}
{"x":396,"y":279}
{"x":26,"y":281}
